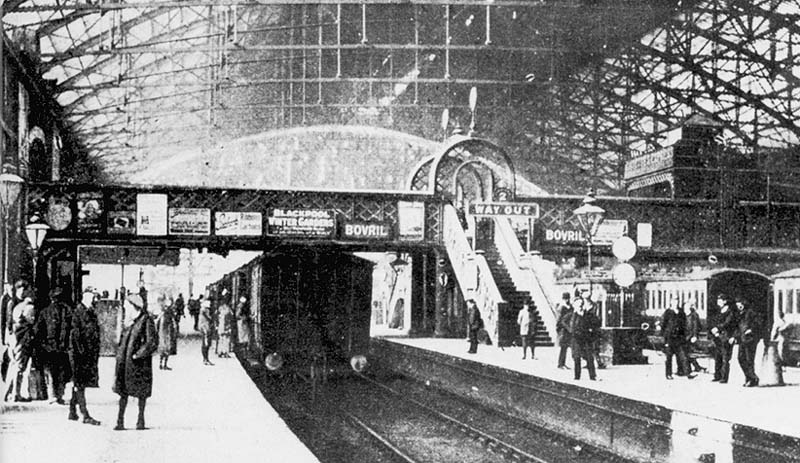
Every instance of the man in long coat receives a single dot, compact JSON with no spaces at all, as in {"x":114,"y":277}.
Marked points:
{"x":475,"y":323}
{"x":584,"y":327}
{"x":562,"y":329}
{"x":134,"y":369}
{"x":724,"y":332}
{"x":748,"y":336}
{"x":52,"y":335}
{"x":84,"y":353}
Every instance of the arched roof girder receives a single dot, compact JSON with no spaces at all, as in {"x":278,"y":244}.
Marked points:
{"x":97,"y":39}
{"x":112,"y":59}
{"x":739,"y":49}
{"x":654,"y":86}
{"x":733,"y":89}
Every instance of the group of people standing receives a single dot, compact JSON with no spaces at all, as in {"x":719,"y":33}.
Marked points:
{"x":51,"y":347}
{"x":578,"y":329}
{"x":740,"y":325}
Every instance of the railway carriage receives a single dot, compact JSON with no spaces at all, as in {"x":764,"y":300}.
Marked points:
{"x":786,"y":300}
{"x":310,"y":307}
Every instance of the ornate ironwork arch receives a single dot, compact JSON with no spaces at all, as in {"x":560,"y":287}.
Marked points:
{"x":459,"y":149}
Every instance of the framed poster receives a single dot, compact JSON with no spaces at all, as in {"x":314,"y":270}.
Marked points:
{"x":189,"y":221}
{"x":411,"y":220}
{"x":121,"y":222}
{"x":90,"y":212}
{"x":151,"y":214}
{"x":237,"y":223}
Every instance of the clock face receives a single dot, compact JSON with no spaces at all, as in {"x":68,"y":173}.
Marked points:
{"x":59,"y":215}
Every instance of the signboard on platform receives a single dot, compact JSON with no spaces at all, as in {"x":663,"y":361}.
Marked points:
{"x":364,"y":230}
{"x":151,"y":214}
{"x":120,"y":255}
{"x":411,"y":220}
{"x":526,"y":210}
{"x":189,"y":221}
{"x":237,"y":223}
{"x":307,"y":223}
{"x":90,"y":212}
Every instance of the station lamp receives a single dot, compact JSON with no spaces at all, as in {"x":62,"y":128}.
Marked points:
{"x":590,"y":216}
{"x":36,"y":233}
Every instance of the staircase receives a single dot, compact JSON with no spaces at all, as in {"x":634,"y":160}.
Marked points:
{"x":508,"y":329}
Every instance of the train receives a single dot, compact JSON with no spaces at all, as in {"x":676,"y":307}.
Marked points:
{"x":310,"y":307}
{"x":643,"y":304}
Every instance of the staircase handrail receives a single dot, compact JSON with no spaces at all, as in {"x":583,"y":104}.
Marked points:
{"x":523,"y":272}
{"x":472,"y":272}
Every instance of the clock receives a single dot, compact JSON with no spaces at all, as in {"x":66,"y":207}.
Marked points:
{"x":59,"y":214}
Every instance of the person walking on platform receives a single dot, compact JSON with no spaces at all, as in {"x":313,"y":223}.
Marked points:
{"x":778,"y":335}
{"x":526,"y":319}
{"x":563,"y":330}
{"x":178,"y":309}
{"x":167,"y":333}
{"x":134,"y":369}
{"x":206,"y":325}
{"x":474,"y":324}
{"x":723,"y":335}
{"x":692,"y":333}
{"x":243,"y":328}
{"x":84,"y":354}
{"x":748,"y":336}
{"x":673,"y":329}
{"x":194,"y":310}
{"x":52,"y":336}
{"x":224,"y":325}
{"x":583,"y":327}
{"x":22,"y":327}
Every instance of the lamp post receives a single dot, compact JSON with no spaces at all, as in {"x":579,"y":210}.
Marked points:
{"x":10,"y":187}
{"x":36,"y":233}
{"x":590,"y":216}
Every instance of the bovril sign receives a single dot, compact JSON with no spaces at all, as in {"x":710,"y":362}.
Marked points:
{"x":367,"y":230}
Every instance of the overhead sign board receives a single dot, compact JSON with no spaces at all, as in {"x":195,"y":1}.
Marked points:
{"x":528,"y":210}
{"x":411,"y":220}
{"x":609,"y":231}
{"x":120,"y":255}
{"x":649,"y":163}
{"x":151,"y":214}
{"x":310,"y":223}
{"x":237,"y":223}
{"x":189,"y":221}
{"x":363,"y":230}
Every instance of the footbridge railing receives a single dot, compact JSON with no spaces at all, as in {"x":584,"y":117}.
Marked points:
{"x":472,"y":272}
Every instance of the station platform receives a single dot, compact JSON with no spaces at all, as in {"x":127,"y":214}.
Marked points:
{"x":769,"y":412}
{"x":197,"y":414}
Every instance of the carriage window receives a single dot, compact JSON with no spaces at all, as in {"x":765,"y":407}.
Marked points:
{"x":789,"y":301}
{"x":796,"y":308}
{"x":779,"y":300}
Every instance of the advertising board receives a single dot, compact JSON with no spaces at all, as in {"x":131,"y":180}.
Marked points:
{"x":151,"y":214}
{"x":237,"y":223}
{"x":306,"y":223}
{"x":189,"y":221}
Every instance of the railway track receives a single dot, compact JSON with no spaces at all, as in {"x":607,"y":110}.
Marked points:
{"x":400,"y":420}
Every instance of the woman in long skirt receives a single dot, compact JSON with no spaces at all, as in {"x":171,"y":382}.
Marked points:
{"x":167,"y":333}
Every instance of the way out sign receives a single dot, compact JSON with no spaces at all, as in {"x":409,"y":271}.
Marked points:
{"x":525,"y":210}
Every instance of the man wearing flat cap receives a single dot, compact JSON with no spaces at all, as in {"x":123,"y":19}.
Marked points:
{"x":134,"y":369}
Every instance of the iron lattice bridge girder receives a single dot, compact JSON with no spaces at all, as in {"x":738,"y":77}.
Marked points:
{"x":355,"y":207}
{"x":679,"y":227}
